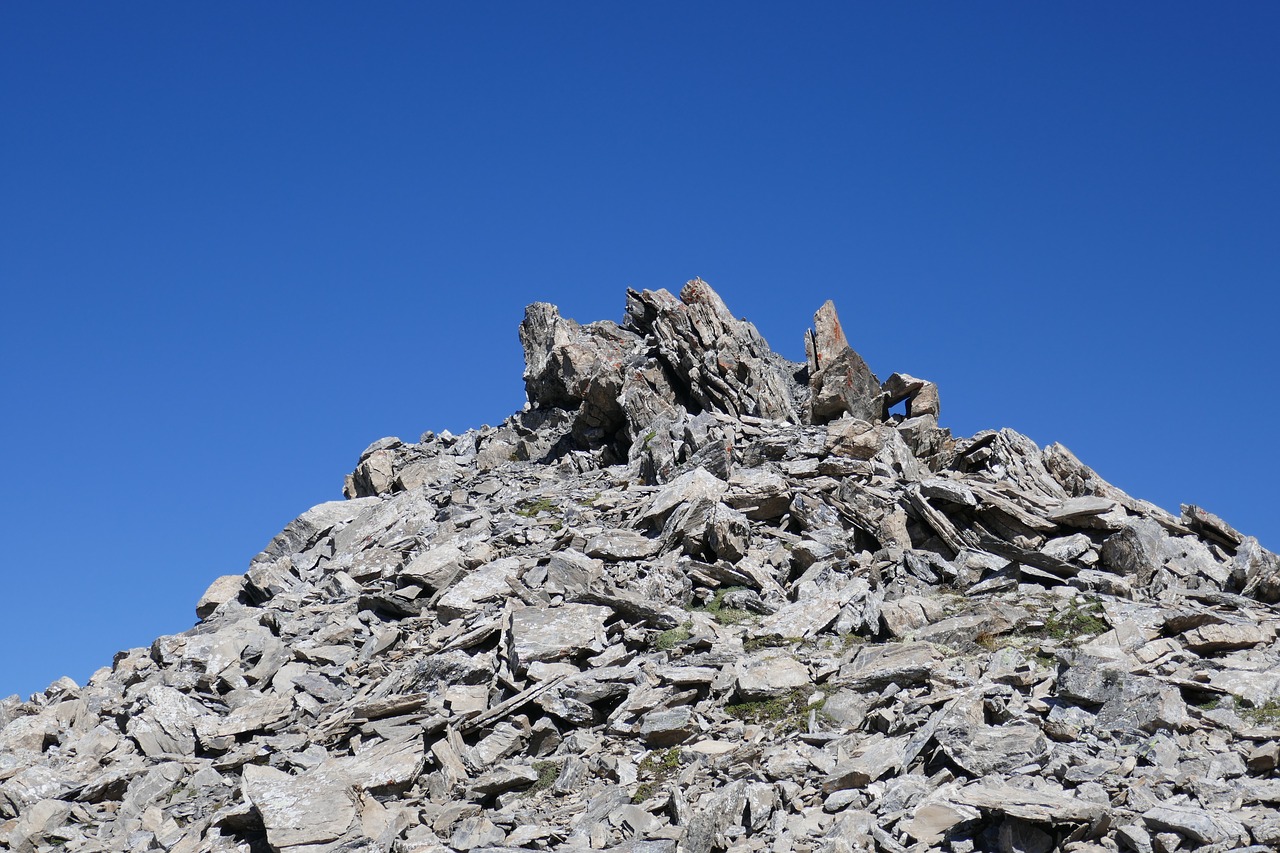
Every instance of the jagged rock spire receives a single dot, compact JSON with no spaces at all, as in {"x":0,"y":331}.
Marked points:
{"x":675,"y":358}
{"x":841,"y":382}
{"x":718,"y":363}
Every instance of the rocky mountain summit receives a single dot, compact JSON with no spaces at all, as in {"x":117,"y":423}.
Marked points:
{"x":695,"y":597}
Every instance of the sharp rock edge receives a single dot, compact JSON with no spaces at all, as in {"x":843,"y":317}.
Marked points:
{"x":694,"y":597}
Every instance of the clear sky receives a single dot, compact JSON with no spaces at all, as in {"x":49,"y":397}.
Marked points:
{"x":239,"y":242}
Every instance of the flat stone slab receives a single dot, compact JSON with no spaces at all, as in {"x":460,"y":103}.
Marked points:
{"x":696,"y":484}
{"x":1198,"y":824}
{"x":471,"y":591}
{"x":809,"y":616}
{"x":1078,"y":508}
{"x":505,"y":777}
{"x":770,"y":674}
{"x":889,"y":663}
{"x":1225,"y":638}
{"x":982,"y":749}
{"x":434,"y":566}
{"x":933,"y":817}
{"x":554,"y":633}
{"x":618,"y":545}
{"x":1255,"y":688}
{"x":667,"y":727}
{"x":312,"y":808}
{"x":391,"y":764}
{"x":1039,"y":806}
{"x":876,"y":758}
{"x":251,"y":717}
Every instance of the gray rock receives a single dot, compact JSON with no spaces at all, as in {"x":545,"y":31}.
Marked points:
{"x":933,"y":818}
{"x":1048,"y":805}
{"x":150,"y":787}
{"x":904,"y":616}
{"x":717,"y":813}
{"x":28,"y":734}
{"x":1127,"y":701}
{"x":1207,"y":639}
{"x":556,"y":633}
{"x":891,"y":663}
{"x":389,"y":765}
{"x":1258,"y":571}
{"x":1073,"y":510}
{"x":948,"y":490}
{"x":720,"y":363}
{"x":920,"y":394}
{"x":471,"y":591}
{"x":1067,"y":547}
{"x":1211,"y":526}
{"x":759,"y":493}
{"x":728,"y":533}
{"x":1264,"y":758}
{"x":223,"y":589}
{"x":255,"y":715}
{"x":505,"y":777}
{"x":875,"y":758}
{"x":167,"y":725}
{"x":696,"y":485}
{"x":33,"y":829}
{"x":855,"y":438}
{"x":667,"y":727}
{"x":982,"y":750}
{"x":568,"y":366}
{"x":768,"y":674}
{"x":1200,"y":825}
{"x":311,"y":808}
{"x":807,"y":617}
{"x":622,"y":545}
{"x":569,"y":572}
{"x":476,"y":832}
{"x":1136,"y":837}
{"x":1140,"y":549}
{"x":436,"y":566}
{"x":634,"y":608}
{"x":1254,"y":687}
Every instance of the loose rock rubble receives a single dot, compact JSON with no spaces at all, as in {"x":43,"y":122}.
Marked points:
{"x":695,"y":597}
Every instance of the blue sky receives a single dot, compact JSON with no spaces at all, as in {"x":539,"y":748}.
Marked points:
{"x":239,"y":242}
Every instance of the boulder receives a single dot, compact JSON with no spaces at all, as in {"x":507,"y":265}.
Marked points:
{"x":223,"y":589}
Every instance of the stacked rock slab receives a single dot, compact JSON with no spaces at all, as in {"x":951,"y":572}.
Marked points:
{"x":693,"y":598}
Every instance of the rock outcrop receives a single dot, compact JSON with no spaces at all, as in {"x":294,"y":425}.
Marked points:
{"x":695,"y":597}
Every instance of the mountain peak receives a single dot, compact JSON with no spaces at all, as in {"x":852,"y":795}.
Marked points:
{"x":694,"y":597}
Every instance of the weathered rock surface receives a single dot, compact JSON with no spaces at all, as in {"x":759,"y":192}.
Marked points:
{"x":693,"y":598}
{"x":841,"y":381}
